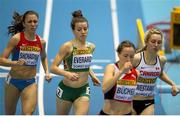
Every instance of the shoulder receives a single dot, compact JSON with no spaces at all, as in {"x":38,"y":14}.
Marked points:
{"x":110,"y":67}
{"x":41,"y":40}
{"x":17,"y":35}
{"x":162,"y":60}
{"x":137,"y":58}
{"x":15,"y":38}
{"x":137,"y":55}
{"x":66,"y":47}
{"x":91,"y":45}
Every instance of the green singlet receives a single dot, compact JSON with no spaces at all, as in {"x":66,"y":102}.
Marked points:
{"x":79,"y":60}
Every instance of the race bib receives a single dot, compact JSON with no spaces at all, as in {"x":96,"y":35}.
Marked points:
{"x":124,"y":93}
{"x":31,"y":58}
{"x":81,"y":61}
{"x":145,"y":89}
{"x":30,"y":54}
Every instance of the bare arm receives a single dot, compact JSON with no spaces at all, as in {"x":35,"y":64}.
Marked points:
{"x":174,"y":89}
{"x":44,"y":61}
{"x":110,"y":77}
{"x":94,"y":79}
{"x":4,"y":61}
{"x":63,"y":52}
{"x":136,"y":60}
{"x":164,"y":77}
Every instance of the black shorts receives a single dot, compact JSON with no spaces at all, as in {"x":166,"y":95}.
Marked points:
{"x":103,"y":113}
{"x":140,"y":105}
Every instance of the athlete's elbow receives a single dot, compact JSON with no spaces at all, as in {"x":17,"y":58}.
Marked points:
{"x":104,"y":89}
{"x":53,"y":69}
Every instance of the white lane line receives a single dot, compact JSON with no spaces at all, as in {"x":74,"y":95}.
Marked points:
{"x":5,"y":68}
{"x":3,"y":75}
{"x":115,"y":26}
{"x":49,"y":6}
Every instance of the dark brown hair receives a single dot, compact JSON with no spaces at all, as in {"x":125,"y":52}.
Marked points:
{"x":124,"y":44}
{"x":17,"y":23}
{"x":77,"y":17}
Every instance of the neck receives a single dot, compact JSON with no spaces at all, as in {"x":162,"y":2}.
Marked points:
{"x":79,"y":42}
{"x":149,"y":57}
{"x":119,"y":65}
{"x":29,"y":36}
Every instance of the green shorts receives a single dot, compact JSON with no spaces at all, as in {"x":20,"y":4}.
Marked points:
{"x":71,"y":94}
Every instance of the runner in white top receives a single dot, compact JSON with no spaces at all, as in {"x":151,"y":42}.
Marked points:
{"x":150,"y":66}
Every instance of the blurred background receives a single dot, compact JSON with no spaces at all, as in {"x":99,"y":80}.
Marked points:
{"x":110,"y":22}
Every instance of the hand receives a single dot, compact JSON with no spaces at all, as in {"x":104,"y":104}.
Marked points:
{"x":127,"y":66}
{"x":174,"y":90}
{"x":73,"y":76}
{"x":96,"y":81}
{"x":20,"y":62}
{"x":48,"y":77}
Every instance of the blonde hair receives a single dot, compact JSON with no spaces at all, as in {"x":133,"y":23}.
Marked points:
{"x":148,"y":36}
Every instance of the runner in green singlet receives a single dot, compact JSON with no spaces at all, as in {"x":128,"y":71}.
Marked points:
{"x":76,"y":56}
